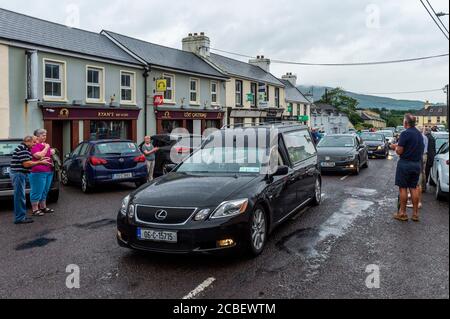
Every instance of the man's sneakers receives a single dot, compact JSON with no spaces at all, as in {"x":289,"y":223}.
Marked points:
{"x":24,"y":221}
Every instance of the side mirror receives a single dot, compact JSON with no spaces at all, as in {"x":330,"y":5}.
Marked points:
{"x":169,"y":167}
{"x":281,"y":171}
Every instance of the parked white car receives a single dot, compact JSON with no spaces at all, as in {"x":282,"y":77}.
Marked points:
{"x":439,"y":172}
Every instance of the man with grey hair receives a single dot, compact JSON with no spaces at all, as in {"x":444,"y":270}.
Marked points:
{"x":410,"y":148}
{"x":21,"y":163}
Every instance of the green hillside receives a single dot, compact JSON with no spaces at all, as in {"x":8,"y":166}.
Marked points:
{"x":368,"y":101}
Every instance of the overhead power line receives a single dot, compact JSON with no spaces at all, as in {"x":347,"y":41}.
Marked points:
{"x":339,"y":64}
{"x":407,"y":92}
{"x":437,"y":16}
{"x":434,"y":20}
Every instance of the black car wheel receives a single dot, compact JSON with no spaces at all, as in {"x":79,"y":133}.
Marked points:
{"x":64,"y":178}
{"x":258,"y":231}
{"x":317,"y":200}
{"x":85,"y":187}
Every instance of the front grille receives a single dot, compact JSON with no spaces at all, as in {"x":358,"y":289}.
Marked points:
{"x":175,"y":216}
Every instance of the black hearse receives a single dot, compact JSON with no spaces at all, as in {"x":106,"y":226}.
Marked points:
{"x":227,"y":194}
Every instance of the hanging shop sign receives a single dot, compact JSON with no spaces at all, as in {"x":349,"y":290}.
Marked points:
{"x":161,"y":85}
{"x":158,"y":100}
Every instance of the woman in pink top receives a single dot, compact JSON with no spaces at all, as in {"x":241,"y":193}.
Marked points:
{"x":41,"y":176}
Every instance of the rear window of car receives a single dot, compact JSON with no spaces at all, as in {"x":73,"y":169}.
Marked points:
{"x":7,"y":148}
{"x":116,"y":148}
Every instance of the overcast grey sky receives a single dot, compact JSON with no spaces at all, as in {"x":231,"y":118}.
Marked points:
{"x":319,"y":31}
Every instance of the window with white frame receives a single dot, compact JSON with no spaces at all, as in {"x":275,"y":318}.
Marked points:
{"x":214,"y":92}
{"x":193,"y":91}
{"x":127,"y":87}
{"x":94,"y":83}
{"x":54,"y":77}
{"x":169,"y":95}
{"x":239,"y":96}
{"x":277,"y":97}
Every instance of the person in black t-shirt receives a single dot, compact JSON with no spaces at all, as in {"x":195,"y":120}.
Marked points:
{"x":410,"y":148}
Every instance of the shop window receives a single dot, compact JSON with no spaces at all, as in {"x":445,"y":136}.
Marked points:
{"x":54,"y":78}
{"x":239,"y":96}
{"x":214,"y":92}
{"x":94,"y":83}
{"x":168,"y":126}
{"x":194,"y":96}
{"x":169,"y":95}
{"x":109,"y":130}
{"x":127,"y":87}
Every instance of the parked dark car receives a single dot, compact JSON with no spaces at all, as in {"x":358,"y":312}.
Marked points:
{"x":7,"y":147}
{"x":377,"y":143}
{"x":203,"y":206}
{"x":95,"y":163}
{"x":342,"y":153}
{"x":182,"y":145}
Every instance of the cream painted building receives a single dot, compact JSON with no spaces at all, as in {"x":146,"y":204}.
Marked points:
{"x":4,"y":91}
{"x":252,"y":94}
{"x":432,"y":115}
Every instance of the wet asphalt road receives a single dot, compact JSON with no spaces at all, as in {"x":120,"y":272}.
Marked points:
{"x":320,"y":253}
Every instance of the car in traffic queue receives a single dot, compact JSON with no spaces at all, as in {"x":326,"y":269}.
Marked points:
{"x":343,"y":153}
{"x":101,"y":162}
{"x":172,"y":145}
{"x":209,"y":205}
{"x":377,"y":143}
{"x":389,"y":136}
{"x":439,"y":175}
{"x":441,"y":138}
{"x":7,"y":147}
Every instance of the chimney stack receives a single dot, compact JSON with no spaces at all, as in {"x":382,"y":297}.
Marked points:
{"x":198,"y":44}
{"x":292,"y":78}
{"x":262,"y":62}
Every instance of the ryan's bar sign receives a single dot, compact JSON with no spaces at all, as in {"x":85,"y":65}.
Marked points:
{"x":82,"y":113}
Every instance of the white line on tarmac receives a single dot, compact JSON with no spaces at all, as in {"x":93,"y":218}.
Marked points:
{"x":208,"y":282}
{"x":345,"y":177}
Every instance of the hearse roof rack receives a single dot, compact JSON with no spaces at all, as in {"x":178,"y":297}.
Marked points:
{"x":283,"y":124}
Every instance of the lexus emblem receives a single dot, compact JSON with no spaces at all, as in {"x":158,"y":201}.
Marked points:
{"x":121,"y":160}
{"x":161,"y":215}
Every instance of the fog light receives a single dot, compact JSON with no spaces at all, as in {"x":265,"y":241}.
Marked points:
{"x":352,"y":166}
{"x":225,"y":243}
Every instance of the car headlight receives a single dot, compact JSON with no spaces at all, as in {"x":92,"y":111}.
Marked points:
{"x":201,"y":215}
{"x":125,"y":203}
{"x":350,"y":158}
{"x":379,"y":148}
{"x":231,"y":208}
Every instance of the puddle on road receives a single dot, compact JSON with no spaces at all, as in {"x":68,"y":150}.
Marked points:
{"x":37,"y":243}
{"x":305,"y":242}
{"x":364,"y":192}
{"x":97,"y":224}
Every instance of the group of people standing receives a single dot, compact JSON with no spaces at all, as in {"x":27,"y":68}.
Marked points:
{"x":416,"y":151}
{"x":32,"y":162}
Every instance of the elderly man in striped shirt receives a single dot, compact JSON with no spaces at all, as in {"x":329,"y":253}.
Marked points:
{"x":21,"y":162}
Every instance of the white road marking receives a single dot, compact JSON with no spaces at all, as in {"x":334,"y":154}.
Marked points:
{"x":208,"y":282}
{"x":345,"y":177}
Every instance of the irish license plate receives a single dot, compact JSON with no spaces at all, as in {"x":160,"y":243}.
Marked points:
{"x":328,"y":164}
{"x":123,"y":176}
{"x":157,"y":235}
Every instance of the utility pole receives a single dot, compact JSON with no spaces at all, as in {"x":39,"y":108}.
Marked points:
{"x":446,"y":91}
